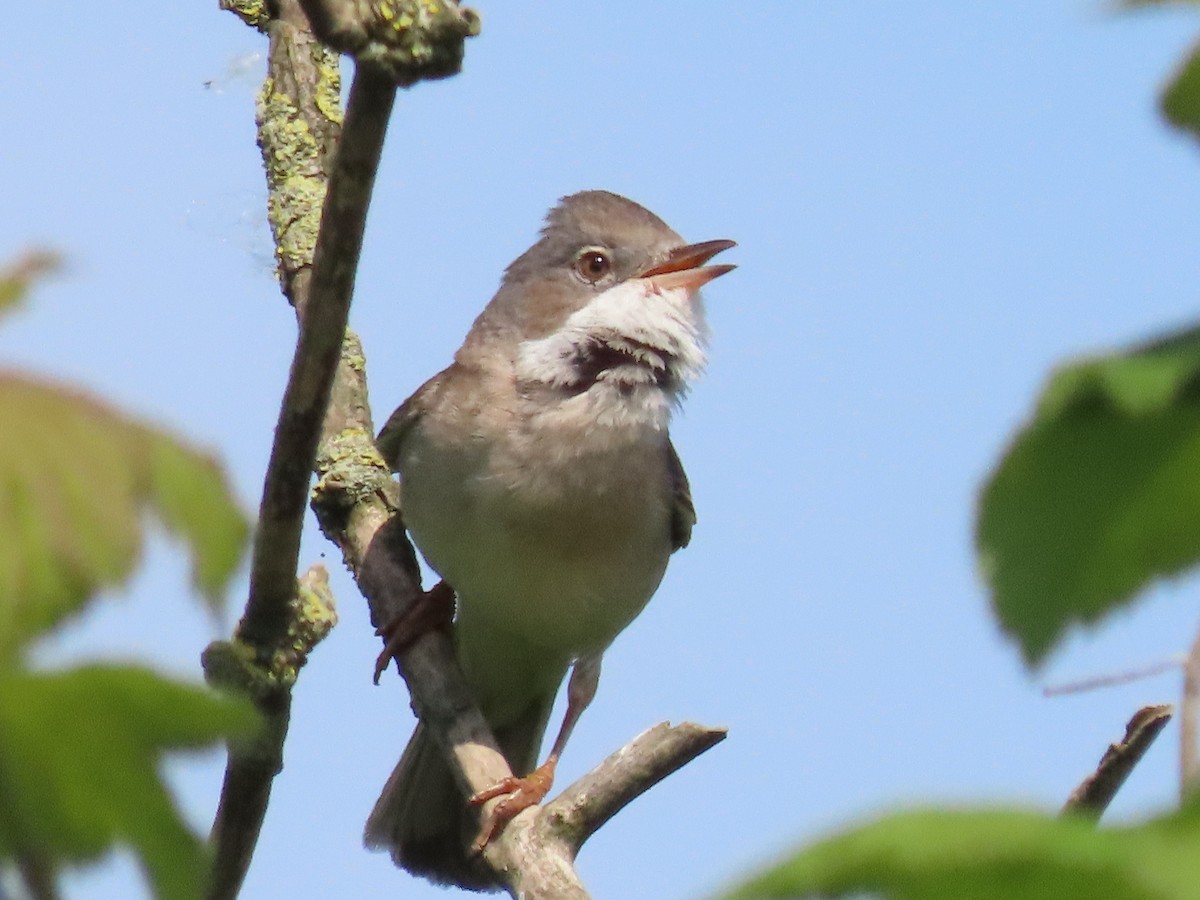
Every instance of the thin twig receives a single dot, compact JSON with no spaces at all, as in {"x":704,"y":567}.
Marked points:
{"x":245,"y":794}
{"x":537,"y":849}
{"x":595,"y":798}
{"x":1114,"y":680}
{"x":1189,"y":718}
{"x":1096,"y":792}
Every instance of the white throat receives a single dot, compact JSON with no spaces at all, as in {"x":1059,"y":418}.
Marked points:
{"x":627,"y":357}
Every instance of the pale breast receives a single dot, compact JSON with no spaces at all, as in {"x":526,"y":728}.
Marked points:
{"x":559,"y":535}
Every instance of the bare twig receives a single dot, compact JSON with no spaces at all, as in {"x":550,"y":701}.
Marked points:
{"x":16,"y":276}
{"x":1096,"y":792}
{"x":580,"y":810}
{"x":537,"y":850}
{"x":299,"y":123}
{"x":1115,"y":679}
{"x":1189,"y":719}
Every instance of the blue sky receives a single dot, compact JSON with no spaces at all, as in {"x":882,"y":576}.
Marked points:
{"x":935,"y":203}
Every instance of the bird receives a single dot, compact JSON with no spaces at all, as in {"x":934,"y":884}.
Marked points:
{"x":539,"y":481}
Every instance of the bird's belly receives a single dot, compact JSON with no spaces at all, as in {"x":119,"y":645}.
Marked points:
{"x":554,"y":535}
{"x":547,"y":563}
{"x":567,"y":581}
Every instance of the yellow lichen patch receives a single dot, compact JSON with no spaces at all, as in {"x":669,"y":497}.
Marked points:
{"x":314,"y":614}
{"x":352,"y":353}
{"x":295,"y":180}
{"x":328,"y":97}
{"x":252,"y":12}
{"x":349,"y":470}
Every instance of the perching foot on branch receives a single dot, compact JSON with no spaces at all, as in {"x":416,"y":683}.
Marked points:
{"x":431,"y":611}
{"x":522,"y":793}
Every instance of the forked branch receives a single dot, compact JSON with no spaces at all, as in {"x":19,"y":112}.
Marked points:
{"x":356,"y":501}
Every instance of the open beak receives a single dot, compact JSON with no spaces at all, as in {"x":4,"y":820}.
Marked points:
{"x":684,"y":266}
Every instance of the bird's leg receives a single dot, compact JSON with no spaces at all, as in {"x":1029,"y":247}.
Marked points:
{"x":533,"y":788}
{"x":433,"y":610}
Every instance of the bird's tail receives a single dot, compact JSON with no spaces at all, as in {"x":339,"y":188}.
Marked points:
{"x":422,"y":818}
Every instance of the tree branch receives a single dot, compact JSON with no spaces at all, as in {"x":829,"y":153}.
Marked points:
{"x":318,"y":237}
{"x":356,"y":498}
{"x":1096,"y":792}
{"x":299,"y":124}
{"x":323,"y":317}
{"x":581,"y":809}
{"x":235,"y":666}
{"x":537,"y":850}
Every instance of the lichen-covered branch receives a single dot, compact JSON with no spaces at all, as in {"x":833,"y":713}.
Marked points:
{"x":326,"y":421}
{"x":412,"y":40}
{"x":323,"y":316}
{"x":319,"y":180}
{"x":299,"y":124}
{"x":236,"y":667}
{"x":1096,"y":792}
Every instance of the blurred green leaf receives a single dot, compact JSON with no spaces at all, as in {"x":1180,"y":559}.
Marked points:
{"x":993,"y":855}
{"x":75,"y":480}
{"x":1180,"y":100}
{"x":16,"y":278}
{"x":1181,"y":97}
{"x":79,"y":759}
{"x":1098,"y":495}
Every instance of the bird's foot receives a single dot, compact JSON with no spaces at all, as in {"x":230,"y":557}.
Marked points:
{"x":522,"y":794}
{"x":432,"y":611}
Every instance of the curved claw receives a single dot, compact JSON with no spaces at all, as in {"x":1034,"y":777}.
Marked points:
{"x":432,"y":611}
{"x":522,"y":794}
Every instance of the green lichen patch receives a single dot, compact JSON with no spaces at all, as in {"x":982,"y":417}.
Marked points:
{"x":294,"y":161}
{"x":253,"y":12}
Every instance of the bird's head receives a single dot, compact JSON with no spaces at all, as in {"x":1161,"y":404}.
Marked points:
{"x":608,"y":297}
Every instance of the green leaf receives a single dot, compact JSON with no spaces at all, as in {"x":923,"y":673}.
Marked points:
{"x":1098,"y":495}
{"x":1181,"y":97}
{"x":192,"y":498}
{"x":993,"y":855}
{"x":75,"y":479}
{"x":79,"y":758}
{"x":16,"y":278}
{"x":1180,"y":100}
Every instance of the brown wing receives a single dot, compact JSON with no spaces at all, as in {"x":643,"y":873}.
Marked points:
{"x":392,"y":434}
{"x":683,"y":513}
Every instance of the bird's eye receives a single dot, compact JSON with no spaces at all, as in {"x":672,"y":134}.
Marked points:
{"x":592,"y":265}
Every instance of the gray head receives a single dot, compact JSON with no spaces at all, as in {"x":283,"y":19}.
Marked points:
{"x":591,"y":242}
{"x":604,"y":307}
